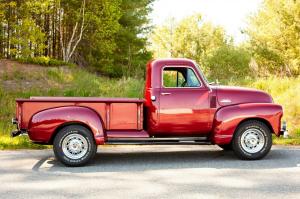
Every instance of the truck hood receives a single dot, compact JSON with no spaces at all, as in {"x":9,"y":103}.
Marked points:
{"x":229,"y":95}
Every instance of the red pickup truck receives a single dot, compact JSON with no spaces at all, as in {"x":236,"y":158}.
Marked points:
{"x":180,"y":107}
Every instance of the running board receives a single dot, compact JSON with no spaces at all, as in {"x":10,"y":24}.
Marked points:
{"x":161,"y":141}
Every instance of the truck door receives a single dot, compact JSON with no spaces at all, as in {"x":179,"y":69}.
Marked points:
{"x":184,"y":108}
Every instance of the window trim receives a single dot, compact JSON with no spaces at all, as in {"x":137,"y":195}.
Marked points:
{"x":189,"y":67}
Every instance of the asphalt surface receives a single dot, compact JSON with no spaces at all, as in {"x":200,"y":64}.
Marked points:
{"x":152,"y":172}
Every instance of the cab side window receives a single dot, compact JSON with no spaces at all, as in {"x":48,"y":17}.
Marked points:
{"x":179,"y":77}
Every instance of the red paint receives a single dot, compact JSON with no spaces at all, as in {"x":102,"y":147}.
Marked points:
{"x":213,"y":111}
{"x":228,"y":118}
{"x":43,"y":124}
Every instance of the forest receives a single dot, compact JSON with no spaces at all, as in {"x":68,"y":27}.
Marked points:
{"x":107,"y":35}
{"x":114,"y":39}
{"x":117,"y":39}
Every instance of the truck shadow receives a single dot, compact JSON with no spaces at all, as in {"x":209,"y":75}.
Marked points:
{"x":131,"y":161}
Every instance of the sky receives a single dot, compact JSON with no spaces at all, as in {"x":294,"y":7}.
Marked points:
{"x":230,"y":14}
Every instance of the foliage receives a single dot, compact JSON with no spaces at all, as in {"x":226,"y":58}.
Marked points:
{"x":128,"y":55}
{"x":108,"y":35}
{"x":74,"y":81}
{"x":228,"y":62}
{"x":273,"y":47}
{"x":191,"y":38}
{"x":286,"y":141}
{"x":44,"y":61}
{"x":23,"y":81}
{"x":208,"y":45}
{"x":27,"y":32}
{"x":274,"y":34}
{"x":284,"y":92}
{"x":100,"y":34}
{"x":114,"y":43}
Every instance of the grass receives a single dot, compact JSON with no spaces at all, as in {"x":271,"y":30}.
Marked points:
{"x":22,"y":81}
{"x":285,"y":91}
{"x":288,"y":141}
{"x":53,"y":81}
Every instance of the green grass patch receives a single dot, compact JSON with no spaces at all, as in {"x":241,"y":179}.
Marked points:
{"x":21,"y":142}
{"x":286,"y":141}
{"x":285,"y":91}
{"x":54,"y":81}
{"x":73,"y":81}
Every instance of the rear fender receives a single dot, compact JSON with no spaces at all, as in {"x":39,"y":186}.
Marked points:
{"x":228,"y":118}
{"x":43,"y":125}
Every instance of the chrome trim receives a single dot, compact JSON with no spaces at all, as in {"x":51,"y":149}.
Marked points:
{"x":74,"y":146}
{"x":252,"y":140}
{"x":225,"y":101}
{"x":223,"y":136}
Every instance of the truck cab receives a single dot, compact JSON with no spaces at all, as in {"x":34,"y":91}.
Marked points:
{"x":179,"y":107}
{"x":178,"y":99}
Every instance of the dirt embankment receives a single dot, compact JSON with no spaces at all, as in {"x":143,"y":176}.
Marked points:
{"x":20,"y":76}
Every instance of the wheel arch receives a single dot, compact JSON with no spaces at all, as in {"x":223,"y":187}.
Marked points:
{"x":56,"y":131}
{"x":262,"y":120}
{"x":246,"y":148}
{"x":228,"y":118}
{"x":44,"y":125}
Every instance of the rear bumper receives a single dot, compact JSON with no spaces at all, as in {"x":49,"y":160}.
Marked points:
{"x":17,"y":132}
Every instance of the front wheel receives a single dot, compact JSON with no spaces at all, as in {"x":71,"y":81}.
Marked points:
{"x":74,"y":145}
{"x":252,"y":140}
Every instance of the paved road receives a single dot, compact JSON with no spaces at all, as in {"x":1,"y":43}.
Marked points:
{"x":152,"y":172}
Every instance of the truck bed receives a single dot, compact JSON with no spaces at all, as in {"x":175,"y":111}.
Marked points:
{"x":116,"y":113}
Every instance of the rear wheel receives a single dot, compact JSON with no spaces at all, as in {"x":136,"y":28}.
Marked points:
{"x":74,"y":145}
{"x":252,"y":140}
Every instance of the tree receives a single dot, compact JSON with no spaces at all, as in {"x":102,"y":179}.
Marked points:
{"x":27,"y":40}
{"x":208,"y":45}
{"x":100,"y":34}
{"x":228,"y":62}
{"x":69,"y":45}
{"x":190,"y":38}
{"x":274,"y":34}
{"x":130,"y":55}
{"x":109,"y":35}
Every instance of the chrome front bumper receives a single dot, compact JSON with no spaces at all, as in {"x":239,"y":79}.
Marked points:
{"x":284,"y":130}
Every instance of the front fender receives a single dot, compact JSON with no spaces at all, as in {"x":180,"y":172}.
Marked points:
{"x":44,"y":124}
{"x":228,"y":118}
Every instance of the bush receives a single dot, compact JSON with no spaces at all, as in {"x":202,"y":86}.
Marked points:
{"x":285,"y":91}
{"x":228,"y":61}
{"x":44,"y":61}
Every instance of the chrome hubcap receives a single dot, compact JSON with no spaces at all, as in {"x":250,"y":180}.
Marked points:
{"x":252,"y":140}
{"x":74,"y":146}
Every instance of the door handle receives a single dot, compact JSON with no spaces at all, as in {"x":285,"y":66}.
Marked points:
{"x":165,"y":93}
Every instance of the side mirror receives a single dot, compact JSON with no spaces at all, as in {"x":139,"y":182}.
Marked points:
{"x":214,"y":82}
